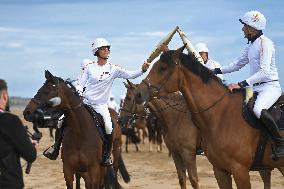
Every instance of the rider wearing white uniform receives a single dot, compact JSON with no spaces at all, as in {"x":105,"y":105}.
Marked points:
{"x":112,"y":104}
{"x":260,"y":55}
{"x":95,"y":85}
{"x":203,"y":50}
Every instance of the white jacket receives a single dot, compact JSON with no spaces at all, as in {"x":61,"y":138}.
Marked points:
{"x":261,"y":57}
{"x":97,"y":81}
{"x":212,"y":64}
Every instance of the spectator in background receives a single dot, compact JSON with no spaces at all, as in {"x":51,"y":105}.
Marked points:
{"x":112,"y":104}
{"x":208,"y":62}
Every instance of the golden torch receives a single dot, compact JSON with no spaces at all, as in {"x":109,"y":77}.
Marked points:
{"x":165,"y":41}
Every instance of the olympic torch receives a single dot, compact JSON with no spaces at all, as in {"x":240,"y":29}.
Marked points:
{"x":190,"y":48}
{"x":165,"y":41}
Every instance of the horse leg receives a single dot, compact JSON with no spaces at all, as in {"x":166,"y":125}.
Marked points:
{"x":180,"y":170}
{"x":266,"y":178}
{"x":150,"y":146}
{"x":116,"y":154}
{"x":190,"y":160}
{"x":77,"y":176}
{"x":223,"y":178}
{"x":69,"y":177}
{"x":126,"y":143}
{"x":242,"y":178}
{"x":137,"y":149}
{"x":51,"y":133}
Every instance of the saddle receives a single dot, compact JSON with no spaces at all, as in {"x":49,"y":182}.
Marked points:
{"x":277,"y":112}
{"x":99,"y":121}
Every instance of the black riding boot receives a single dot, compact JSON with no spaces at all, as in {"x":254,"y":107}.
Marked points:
{"x":53,"y":151}
{"x":274,"y":132}
{"x":107,"y":146}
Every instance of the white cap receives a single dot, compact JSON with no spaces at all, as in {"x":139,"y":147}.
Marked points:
{"x":254,"y":19}
{"x":99,"y":42}
{"x":201,"y":47}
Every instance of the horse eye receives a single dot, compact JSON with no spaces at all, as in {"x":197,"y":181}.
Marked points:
{"x":162,"y":68}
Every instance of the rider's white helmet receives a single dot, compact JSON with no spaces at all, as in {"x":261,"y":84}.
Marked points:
{"x":201,"y":47}
{"x":99,"y":42}
{"x":254,"y":19}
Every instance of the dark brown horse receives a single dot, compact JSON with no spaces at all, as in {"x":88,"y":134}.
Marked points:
{"x":180,"y":135}
{"x":229,"y":142}
{"x":82,"y":144}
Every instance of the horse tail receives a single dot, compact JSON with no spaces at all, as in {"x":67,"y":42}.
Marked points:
{"x":122,"y":169}
{"x":77,"y":176}
{"x":110,"y":179}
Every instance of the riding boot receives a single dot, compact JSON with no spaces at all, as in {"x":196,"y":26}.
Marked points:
{"x":274,"y":132}
{"x":53,"y":151}
{"x":107,"y":147}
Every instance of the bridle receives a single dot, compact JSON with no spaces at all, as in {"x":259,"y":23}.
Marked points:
{"x":156,"y":92}
{"x":38,"y":103}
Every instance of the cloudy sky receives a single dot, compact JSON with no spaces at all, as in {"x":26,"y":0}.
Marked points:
{"x":38,"y":35}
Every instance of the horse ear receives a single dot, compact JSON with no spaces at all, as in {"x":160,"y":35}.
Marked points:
{"x":48,"y":75}
{"x":178,"y":52}
{"x":126,"y":85}
{"x":130,"y":83}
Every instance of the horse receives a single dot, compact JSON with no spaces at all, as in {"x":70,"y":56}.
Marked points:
{"x":180,"y":135}
{"x":82,"y":144}
{"x":140,"y":120}
{"x":227,"y":139}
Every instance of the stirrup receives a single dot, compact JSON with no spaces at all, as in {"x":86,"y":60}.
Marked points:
{"x":199,"y":151}
{"x":106,"y":160}
{"x":50,"y":153}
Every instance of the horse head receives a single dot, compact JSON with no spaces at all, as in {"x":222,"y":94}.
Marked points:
{"x":129,"y":107}
{"x":54,"y":95}
{"x":163,"y":78}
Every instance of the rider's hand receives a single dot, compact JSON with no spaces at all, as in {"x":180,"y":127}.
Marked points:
{"x":145,"y":66}
{"x":35,"y":143}
{"x":233,"y":86}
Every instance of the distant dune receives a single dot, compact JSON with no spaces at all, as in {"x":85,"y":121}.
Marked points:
{"x":18,"y":102}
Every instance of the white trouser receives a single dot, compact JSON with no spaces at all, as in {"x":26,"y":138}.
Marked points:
{"x":268,"y":94}
{"x":103,"y":110}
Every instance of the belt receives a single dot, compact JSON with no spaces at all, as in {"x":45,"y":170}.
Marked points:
{"x":257,"y":84}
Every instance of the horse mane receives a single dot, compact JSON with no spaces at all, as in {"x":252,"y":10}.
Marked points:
{"x":192,"y":64}
{"x":69,"y":84}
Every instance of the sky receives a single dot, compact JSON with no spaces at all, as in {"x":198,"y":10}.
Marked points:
{"x":39,"y":35}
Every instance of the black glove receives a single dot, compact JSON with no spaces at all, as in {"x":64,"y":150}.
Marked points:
{"x":217,"y":71}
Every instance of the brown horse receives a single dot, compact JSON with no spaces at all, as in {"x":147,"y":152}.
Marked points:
{"x":180,"y":135}
{"x":82,"y":144}
{"x":138,"y":120}
{"x":229,"y":142}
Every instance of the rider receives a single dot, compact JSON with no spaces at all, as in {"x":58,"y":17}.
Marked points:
{"x":95,"y":83}
{"x":112,"y":104}
{"x":208,"y":62}
{"x":260,"y":55}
